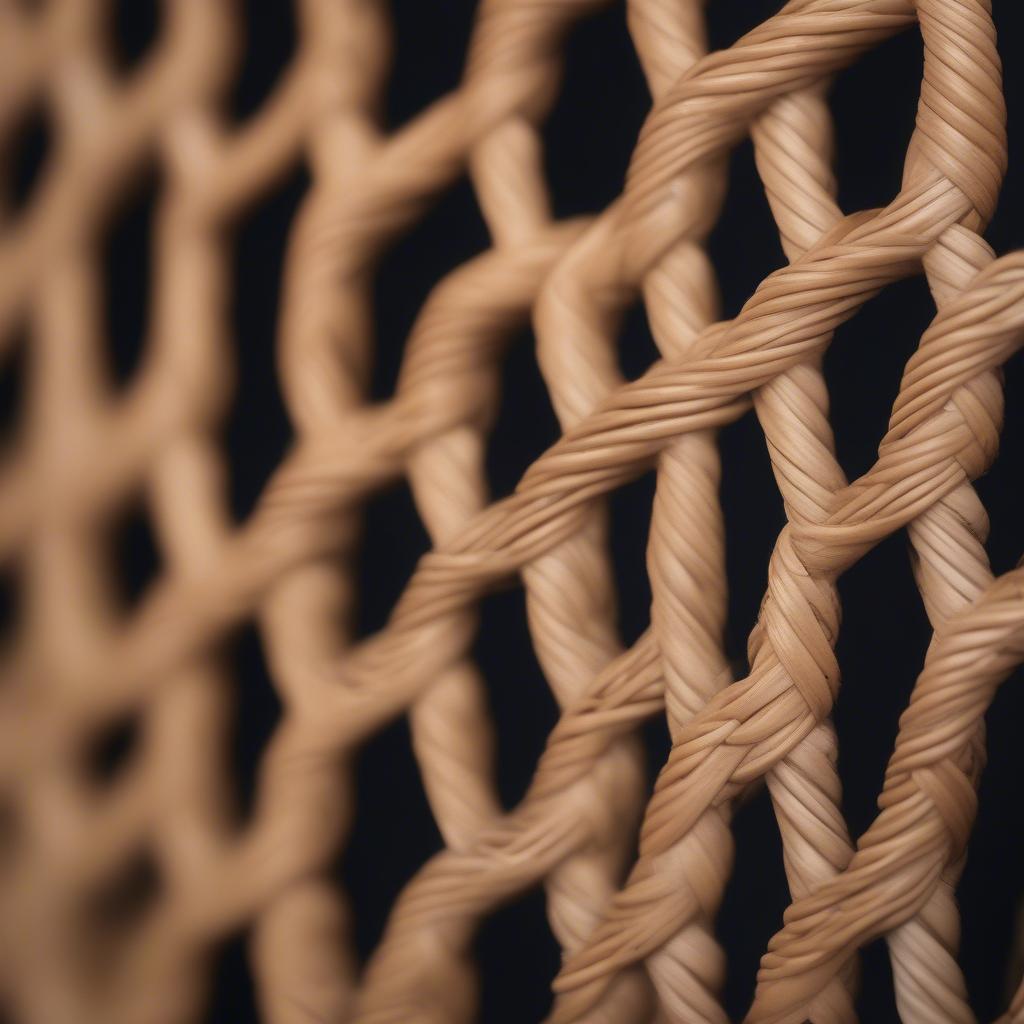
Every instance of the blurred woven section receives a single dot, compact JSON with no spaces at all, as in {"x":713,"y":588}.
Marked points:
{"x":633,"y":885}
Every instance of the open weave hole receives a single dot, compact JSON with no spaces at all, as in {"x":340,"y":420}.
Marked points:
{"x":635,"y":922}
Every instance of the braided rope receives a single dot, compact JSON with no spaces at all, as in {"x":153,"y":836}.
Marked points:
{"x":638,"y":940}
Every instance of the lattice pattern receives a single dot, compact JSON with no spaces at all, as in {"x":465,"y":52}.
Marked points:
{"x":638,"y":941}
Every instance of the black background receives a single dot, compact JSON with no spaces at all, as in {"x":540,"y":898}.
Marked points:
{"x":588,"y":138}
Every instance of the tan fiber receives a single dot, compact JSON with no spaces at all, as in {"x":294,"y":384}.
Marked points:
{"x":633,"y":881}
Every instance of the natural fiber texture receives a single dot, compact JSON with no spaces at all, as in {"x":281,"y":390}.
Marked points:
{"x":638,"y":937}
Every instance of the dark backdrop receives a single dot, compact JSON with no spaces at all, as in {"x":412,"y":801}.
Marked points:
{"x":588,"y":138}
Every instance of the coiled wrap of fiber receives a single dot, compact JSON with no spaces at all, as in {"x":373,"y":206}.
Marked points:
{"x":633,"y":880}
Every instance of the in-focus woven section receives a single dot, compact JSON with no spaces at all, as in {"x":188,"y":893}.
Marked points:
{"x":635,"y":920}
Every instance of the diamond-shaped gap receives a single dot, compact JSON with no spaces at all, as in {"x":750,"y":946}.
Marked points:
{"x":258,"y":429}
{"x":755,"y":897}
{"x":864,"y":364}
{"x":526,"y":424}
{"x":593,"y":125}
{"x":870,"y":150}
{"x":882,"y":642}
{"x":522,"y":706}
{"x":744,"y":244}
{"x":269,"y":46}
{"x":728,"y":20}
{"x":258,"y":713}
{"x":428,"y":44}
{"x":393,"y":832}
{"x":881,"y":648}
{"x":636,"y":348}
{"x":518,"y":958}
{"x":110,"y":751}
{"x":876,"y":999}
{"x":754,"y":517}
{"x":13,"y":380}
{"x":393,"y":540}
{"x":136,"y":552}
{"x":524,"y":710}
{"x":657,"y":746}
{"x":233,"y":996}
{"x":127,"y":262}
{"x":9,"y":608}
{"x":24,"y":157}
{"x":630,"y":506}
{"x":449,"y":234}
{"x":135,"y":24}
{"x":630,"y":511}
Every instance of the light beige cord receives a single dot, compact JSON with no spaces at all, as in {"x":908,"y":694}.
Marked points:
{"x":638,"y":939}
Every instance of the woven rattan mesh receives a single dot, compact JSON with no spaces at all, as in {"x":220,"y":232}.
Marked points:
{"x":635,"y":922}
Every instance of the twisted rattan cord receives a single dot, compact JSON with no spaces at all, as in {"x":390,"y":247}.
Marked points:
{"x":686,"y":548}
{"x":366,"y":189}
{"x":576,"y":314}
{"x":793,"y":412}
